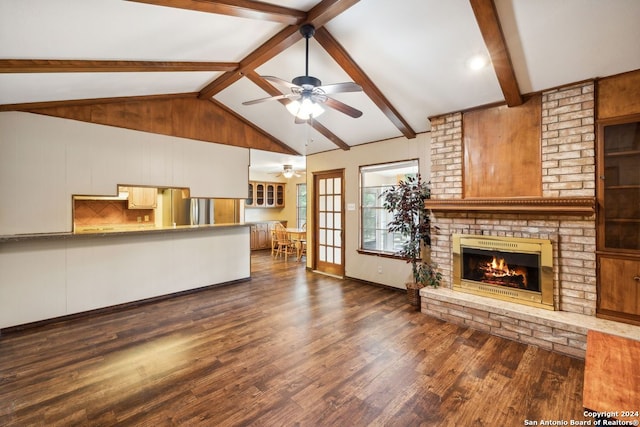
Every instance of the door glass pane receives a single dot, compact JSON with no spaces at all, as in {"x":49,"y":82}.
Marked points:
{"x":337,"y":219}
{"x":337,"y":255}
{"x":323,"y":188}
{"x":329,"y":188}
{"x":329,"y":238}
{"x":322,"y":237}
{"x":322,"y":253}
{"x":329,"y":203}
{"x":329,"y":221}
{"x":336,"y":238}
{"x":337,"y":187}
{"x":323,"y":203}
{"x":322,"y":219}
{"x":329,"y":254}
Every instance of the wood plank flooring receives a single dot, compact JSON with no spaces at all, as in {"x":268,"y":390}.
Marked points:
{"x":288,"y":348}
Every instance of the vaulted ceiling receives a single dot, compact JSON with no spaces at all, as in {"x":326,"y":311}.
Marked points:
{"x":198,"y":60}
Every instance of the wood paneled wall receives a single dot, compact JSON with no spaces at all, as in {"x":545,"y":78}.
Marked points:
{"x":502,"y":151}
{"x":184,"y":117}
{"x":619,"y":95}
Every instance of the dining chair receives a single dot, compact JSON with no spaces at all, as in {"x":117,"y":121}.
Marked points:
{"x":303,"y":243}
{"x":284,"y":244}
{"x":274,"y":238}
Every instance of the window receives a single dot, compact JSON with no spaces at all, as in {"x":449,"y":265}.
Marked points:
{"x":301,"y":204}
{"x":374,"y":180}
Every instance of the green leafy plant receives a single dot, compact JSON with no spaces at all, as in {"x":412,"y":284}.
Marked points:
{"x":405,"y":201}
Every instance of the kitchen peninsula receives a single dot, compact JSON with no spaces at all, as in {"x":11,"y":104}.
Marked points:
{"x":47,"y":270}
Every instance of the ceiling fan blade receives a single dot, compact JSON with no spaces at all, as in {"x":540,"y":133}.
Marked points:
{"x":342,"y":107}
{"x":279,"y":81}
{"x":269,"y":98}
{"x":340,"y":87}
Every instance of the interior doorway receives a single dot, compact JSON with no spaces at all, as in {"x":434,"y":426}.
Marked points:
{"x":329,"y":222}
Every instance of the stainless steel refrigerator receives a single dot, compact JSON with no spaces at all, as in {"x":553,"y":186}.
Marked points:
{"x":196,"y":211}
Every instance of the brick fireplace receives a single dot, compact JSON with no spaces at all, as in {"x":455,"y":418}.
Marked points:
{"x":563,"y":215}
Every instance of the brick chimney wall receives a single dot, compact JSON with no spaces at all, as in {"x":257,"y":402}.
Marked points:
{"x":568,"y":170}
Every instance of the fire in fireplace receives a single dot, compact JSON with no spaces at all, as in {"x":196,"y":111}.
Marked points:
{"x":513,"y":269}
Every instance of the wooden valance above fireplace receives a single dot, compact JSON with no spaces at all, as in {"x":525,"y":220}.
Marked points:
{"x":584,"y":206}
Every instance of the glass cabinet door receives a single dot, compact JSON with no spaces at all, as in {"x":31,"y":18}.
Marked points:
{"x":280,"y":195}
{"x":620,"y":185}
{"x":259,"y":194}
{"x":249,"y":199}
{"x":270,"y":195}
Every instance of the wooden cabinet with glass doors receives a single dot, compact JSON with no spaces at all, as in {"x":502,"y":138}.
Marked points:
{"x":265,"y":195}
{"x":619,"y":219}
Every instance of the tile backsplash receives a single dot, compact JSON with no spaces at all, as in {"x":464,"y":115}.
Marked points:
{"x":108,"y":212}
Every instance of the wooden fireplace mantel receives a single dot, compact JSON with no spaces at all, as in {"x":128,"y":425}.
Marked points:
{"x":543,"y":205}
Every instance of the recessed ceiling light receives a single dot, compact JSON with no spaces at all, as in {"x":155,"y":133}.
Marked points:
{"x":477,"y":62}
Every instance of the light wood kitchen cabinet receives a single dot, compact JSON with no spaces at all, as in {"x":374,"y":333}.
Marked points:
{"x":265,"y":195}
{"x":261,"y":232}
{"x":619,"y":219}
{"x":260,"y":237}
{"x":143,"y":198}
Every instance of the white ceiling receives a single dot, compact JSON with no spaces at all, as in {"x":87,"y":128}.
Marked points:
{"x":414,"y":51}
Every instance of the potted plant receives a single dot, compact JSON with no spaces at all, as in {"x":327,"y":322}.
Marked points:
{"x":405,"y":201}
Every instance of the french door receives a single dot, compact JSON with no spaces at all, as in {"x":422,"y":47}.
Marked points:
{"x":329,"y":220}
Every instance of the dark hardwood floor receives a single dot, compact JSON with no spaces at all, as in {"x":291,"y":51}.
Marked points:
{"x":288,"y":348}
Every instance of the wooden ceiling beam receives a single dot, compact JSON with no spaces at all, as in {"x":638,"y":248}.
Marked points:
{"x":319,"y":15}
{"x":33,"y":106}
{"x":90,"y":66}
{"x":239,"y":8}
{"x":489,"y":23}
{"x":273,"y":91}
{"x":314,"y":123}
{"x":340,"y":55}
{"x":287,"y":149}
{"x":265,"y":52}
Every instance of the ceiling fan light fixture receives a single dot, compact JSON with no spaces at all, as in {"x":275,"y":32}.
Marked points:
{"x":305,"y":109}
{"x":287,"y":171}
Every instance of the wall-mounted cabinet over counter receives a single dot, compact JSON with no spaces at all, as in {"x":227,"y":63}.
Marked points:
{"x":141,"y":197}
{"x":265,"y":195}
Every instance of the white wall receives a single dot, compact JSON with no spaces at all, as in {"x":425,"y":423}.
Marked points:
{"x":366,"y":267}
{"x":45,"y":160}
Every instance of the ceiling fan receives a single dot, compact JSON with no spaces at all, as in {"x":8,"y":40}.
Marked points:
{"x":288,"y":172}
{"x":307,"y":93}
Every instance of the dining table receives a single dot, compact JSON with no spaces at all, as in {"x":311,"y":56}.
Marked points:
{"x":298,"y":236}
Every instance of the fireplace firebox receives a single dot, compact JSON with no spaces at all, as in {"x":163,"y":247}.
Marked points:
{"x":507,"y":268}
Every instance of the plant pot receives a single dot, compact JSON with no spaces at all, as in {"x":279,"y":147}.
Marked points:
{"x":413,"y":295}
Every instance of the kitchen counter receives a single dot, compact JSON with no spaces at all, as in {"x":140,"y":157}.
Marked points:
{"x":49,"y":275}
{"x":105,"y":231}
